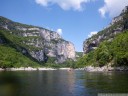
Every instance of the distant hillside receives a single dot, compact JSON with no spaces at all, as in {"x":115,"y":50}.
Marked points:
{"x":79,"y":54}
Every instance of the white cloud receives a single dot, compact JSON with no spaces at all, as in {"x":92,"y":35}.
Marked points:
{"x":113,"y":7}
{"x":92,"y":33}
{"x":59,"y":31}
{"x":65,"y":4}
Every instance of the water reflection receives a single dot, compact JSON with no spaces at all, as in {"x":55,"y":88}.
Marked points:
{"x":9,"y":85}
{"x":61,"y":83}
{"x":106,"y":82}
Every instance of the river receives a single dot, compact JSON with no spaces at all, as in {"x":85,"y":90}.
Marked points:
{"x":61,"y":83}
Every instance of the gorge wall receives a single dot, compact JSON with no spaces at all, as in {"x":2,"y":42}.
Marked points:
{"x":119,"y":24}
{"x":39,"y":43}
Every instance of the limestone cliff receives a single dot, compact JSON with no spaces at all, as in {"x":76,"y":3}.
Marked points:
{"x":65,"y":50}
{"x":119,"y":24}
{"x":39,"y":42}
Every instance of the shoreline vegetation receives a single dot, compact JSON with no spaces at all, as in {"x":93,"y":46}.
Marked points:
{"x":87,"y":69}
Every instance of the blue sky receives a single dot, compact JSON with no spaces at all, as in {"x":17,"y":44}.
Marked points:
{"x":75,"y":20}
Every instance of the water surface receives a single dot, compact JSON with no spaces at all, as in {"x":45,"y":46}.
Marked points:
{"x":62,"y":83}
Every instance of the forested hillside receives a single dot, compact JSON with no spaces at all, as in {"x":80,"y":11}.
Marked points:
{"x":111,"y":53}
{"x":109,"y":46}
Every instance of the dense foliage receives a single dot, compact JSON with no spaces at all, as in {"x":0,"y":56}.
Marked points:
{"x":11,"y":51}
{"x":9,"y":57}
{"x":68,"y":63}
{"x":112,"y":53}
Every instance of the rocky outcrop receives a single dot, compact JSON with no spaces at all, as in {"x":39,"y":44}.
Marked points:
{"x":39,"y":42}
{"x":119,"y":24}
{"x":103,"y":69}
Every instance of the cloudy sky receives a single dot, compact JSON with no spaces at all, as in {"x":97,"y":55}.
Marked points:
{"x":75,"y":20}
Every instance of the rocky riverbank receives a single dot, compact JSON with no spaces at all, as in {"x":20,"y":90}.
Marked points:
{"x":88,"y":69}
{"x":32,"y":69}
{"x":103,"y":69}
{"x":25,"y":69}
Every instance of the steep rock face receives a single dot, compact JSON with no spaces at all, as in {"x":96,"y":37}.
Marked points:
{"x":65,"y":50}
{"x":39,"y":42}
{"x":118,"y":25}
